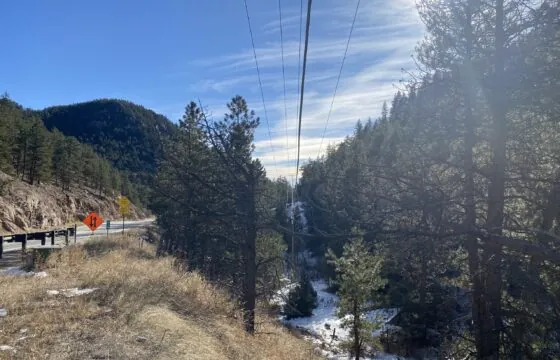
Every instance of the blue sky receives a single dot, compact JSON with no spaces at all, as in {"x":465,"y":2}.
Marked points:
{"x":164,"y":53}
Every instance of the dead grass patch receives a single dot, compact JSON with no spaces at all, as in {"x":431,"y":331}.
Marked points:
{"x":144,"y":309}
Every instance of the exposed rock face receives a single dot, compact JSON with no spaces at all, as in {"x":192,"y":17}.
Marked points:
{"x":24,"y":207}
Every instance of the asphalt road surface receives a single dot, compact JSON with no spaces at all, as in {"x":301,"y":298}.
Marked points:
{"x":83,"y":234}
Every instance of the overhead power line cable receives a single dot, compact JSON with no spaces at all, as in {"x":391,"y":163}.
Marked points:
{"x":298,"y":76}
{"x":300,"y":105}
{"x":285,"y":105}
{"x":338,"y":78}
{"x":260,"y":85}
{"x":303,"y":84}
{"x":299,"y":55}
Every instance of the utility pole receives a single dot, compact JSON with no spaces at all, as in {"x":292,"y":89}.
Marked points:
{"x":293,"y":231}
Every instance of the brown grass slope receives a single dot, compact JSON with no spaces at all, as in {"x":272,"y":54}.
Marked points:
{"x":144,"y":309}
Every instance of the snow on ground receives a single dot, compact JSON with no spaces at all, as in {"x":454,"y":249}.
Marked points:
{"x":299,"y":209}
{"x":16,"y":271}
{"x":71,"y":292}
{"x":324,"y":321}
{"x":7,"y":348}
{"x":281,"y":295}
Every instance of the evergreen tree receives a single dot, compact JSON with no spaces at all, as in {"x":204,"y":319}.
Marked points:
{"x":7,"y":132}
{"x":358,"y":277}
{"x":38,"y":153}
{"x":213,"y":197}
{"x":302,"y":299}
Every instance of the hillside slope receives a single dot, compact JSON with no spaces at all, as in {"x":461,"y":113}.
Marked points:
{"x":128,"y":135}
{"x":25,"y":207}
{"x":143,"y":308}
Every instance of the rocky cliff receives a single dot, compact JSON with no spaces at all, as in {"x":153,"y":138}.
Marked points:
{"x":25,"y":207}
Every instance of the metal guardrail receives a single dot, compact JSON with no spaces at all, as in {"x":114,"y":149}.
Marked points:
{"x":38,"y":235}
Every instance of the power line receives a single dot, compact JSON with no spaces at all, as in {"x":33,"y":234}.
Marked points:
{"x":292,"y":218}
{"x":299,"y":54}
{"x":303,"y":83}
{"x":260,"y":85}
{"x":284,"y":78}
{"x":339,"y":74}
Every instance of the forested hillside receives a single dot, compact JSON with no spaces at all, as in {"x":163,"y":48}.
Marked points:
{"x":128,"y":135}
{"x":457,"y":185}
{"x":36,"y":155}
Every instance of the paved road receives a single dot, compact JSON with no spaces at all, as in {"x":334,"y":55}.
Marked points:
{"x":83,"y":234}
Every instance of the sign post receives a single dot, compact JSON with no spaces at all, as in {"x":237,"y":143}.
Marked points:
{"x":124,"y":208}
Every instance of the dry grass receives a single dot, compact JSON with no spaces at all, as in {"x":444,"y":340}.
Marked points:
{"x":178,"y":315}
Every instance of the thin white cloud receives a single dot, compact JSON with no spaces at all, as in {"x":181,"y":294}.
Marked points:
{"x":384,"y":38}
{"x":320,"y":50}
{"x":279,"y":162}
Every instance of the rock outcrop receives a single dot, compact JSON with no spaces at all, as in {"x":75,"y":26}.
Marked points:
{"x":25,"y":207}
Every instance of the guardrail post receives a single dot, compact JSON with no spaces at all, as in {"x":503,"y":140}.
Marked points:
{"x":43,"y":237}
{"x":75,"y":232}
{"x":66,"y":233}
{"x":52,"y":237}
{"x":24,"y":243}
{"x":1,"y":246}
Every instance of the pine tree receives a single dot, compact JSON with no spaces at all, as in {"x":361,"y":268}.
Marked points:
{"x":8,"y":118}
{"x":217,"y":205}
{"x":38,"y":153}
{"x":302,"y":299}
{"x":232,"y":140}
{"x":71,"y":176}
{"x":115,"y":180}
{"x":358,"y":277}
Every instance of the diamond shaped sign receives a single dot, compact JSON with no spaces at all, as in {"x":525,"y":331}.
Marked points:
{"x":93,"y":221}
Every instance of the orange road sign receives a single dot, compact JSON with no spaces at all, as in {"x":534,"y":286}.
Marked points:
{"x":93,"y":221}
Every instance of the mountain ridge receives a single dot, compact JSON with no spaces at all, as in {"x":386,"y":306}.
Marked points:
{"x":129,"y":135}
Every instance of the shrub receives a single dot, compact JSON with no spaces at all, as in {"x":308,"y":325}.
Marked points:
{"x":302,"y":299}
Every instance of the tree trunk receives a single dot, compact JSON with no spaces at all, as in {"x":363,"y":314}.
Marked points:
{"x":201,"y":261}
{"x":24,"y":162}
{"x":249,"y":257}
{"x":490,"y":314}
{"x":469,"y":189}
{"x":423,"y":275}
{"x":356,"y":331}
{"x":548,"y":214}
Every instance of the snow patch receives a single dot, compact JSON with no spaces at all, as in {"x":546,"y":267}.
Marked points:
{"x":16,"y":271}
{"x":41,"y":274}
{"x":324,"y":322}
{"x":7,"y":348}
{"x":281,"y":295}
{"x":71,"y":292}
{"x":297,"y":211}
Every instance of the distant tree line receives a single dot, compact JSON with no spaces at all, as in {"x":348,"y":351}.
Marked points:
{"x":33,"y":154}
{"x":457,"y":185}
